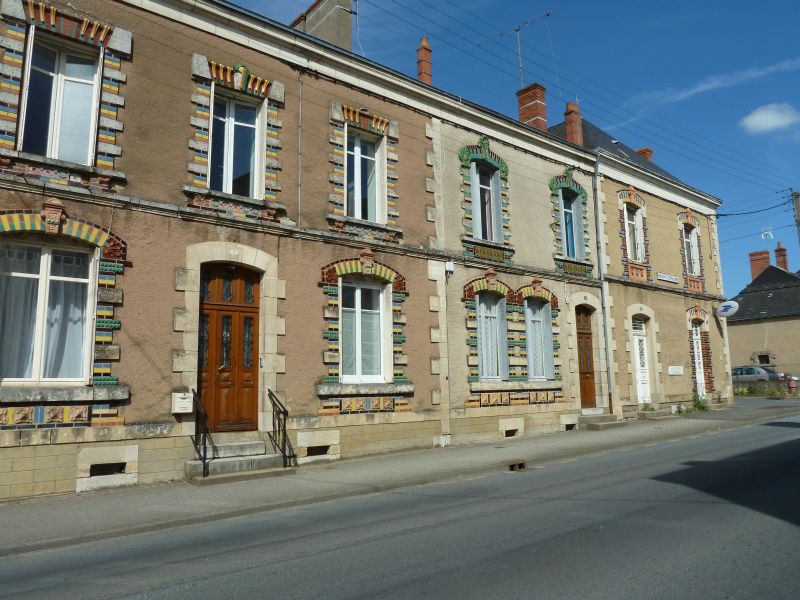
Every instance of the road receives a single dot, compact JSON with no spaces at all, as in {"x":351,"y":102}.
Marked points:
{"x":713,"y":516}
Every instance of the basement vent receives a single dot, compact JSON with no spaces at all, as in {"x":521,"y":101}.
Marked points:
{"x":569,"y":427}
{"x":318,"y":450}
{"x":101,"y":469}
{"x":511,"y":432}
{"x":516,"y":465}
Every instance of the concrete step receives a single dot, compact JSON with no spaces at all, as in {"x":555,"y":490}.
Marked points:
{"x":234,"y":464}
{"x":660,"y":413}
{"x":602,"y":425}
{"x":606,"y":418}
{"x":229,"y":449}
{"x":242,"y":476}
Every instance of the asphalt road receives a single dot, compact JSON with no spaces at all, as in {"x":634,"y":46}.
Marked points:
{"x":715,"y":516}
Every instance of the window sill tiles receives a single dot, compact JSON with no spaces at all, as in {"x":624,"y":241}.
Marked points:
{"x":191,"y":190}
{"x":513,"y":386}
{"x":41,"y":394}
{"x":364,"y":389}
{"x":386,"y":232}
{"x":55,"y":164}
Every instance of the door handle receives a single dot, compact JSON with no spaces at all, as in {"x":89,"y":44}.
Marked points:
{"x":219,"y":369}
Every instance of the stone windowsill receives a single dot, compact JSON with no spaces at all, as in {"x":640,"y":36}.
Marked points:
{"x":365,"y":223}
{"x":573,"y":260}
{"x":489,"y":244}
{"x":260,"y":202}
{"x":41,"y":394}
{"x":55,"y":164}
{"x":514,"y":386}
{"x":364,"y":389}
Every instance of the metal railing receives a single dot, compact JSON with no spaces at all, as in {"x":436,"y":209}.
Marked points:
{"x":278,"y":435}
{"x":202,"y":435}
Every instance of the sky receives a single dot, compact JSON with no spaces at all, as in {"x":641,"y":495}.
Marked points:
{"x":711,"y":86}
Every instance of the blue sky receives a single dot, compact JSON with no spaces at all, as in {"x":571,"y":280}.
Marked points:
{"x":711,"y":86}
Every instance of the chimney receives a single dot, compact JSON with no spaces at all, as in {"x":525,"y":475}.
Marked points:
{"x":532,"y":106}
{"x":424,"y":65}
{"x":329,"y":20}
{"x":781,"y":259}
{"x":646,"y":153}
{"x":758,"y":262}
{"x":574,"y":123}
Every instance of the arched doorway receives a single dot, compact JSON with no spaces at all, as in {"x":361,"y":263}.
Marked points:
{"x":228,"y":346}
{"x":639,"y":358}
{"x":583,"y":330}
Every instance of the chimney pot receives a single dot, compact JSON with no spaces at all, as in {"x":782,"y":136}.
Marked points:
{"x":533,"y":106}
{"x":646,"y":152}
{"x":424,"y":64}
{"x":573,"y":121}
{"x":781,"y":257}
{"x":759,"y":261}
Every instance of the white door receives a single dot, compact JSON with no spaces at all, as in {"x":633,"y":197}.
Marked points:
{"x":640,"y":361}
{"x":697,"y":350}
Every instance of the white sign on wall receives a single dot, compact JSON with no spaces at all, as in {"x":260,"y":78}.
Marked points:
{"x":727,"y":309}
{"x":675,"y":370}
{"x":667,"y":277}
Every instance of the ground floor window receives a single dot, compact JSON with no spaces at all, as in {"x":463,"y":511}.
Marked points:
{"x":362,"y":326}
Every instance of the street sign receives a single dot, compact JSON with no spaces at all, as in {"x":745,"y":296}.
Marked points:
{"x":727,"y":309}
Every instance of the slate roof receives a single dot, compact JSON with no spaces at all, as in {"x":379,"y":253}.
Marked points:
{"x":774,"y":293}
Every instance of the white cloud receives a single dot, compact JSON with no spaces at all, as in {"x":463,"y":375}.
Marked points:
{"x":770,"y":117}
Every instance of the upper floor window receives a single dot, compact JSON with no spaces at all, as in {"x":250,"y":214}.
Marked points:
{"x":634,"y":233}
{"x":569,"y":218}
{"x":539,"y":333}
{"x":363,"y":335}
{"x":45,"y":324}
{"x":492,"y":336}
{"x":366,"y":177}
{"x":487,"y":216}
{"x":691,"y":250}
{"x":235,"y":140}
{"x":60,"y":110}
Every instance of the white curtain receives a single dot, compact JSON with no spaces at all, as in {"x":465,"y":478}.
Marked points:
{"x":65,"y":330}
{"x":18,"y":309}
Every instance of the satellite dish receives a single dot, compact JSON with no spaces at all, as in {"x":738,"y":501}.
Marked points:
{"x":727,"y":309}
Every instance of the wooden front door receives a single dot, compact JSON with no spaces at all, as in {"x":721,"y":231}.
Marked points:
{"x":228,"y":346}
{"x":583,"y":320}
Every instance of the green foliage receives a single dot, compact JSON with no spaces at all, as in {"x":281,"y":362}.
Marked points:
{"x":647,"y":407}
{"x":699,"y":402}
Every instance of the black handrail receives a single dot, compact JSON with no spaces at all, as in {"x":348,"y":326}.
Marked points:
{"x":201,"y":431}
{"x":278,"y":436}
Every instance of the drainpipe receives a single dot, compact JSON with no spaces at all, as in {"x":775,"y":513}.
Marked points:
{"x":602,"y":273}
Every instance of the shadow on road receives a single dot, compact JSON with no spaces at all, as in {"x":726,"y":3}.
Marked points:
{"x":783,"y":424}
{"x":765,"y":480}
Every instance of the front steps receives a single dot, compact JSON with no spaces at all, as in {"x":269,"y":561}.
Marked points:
{"x":235,"y":460}
{"x":598,"y":422}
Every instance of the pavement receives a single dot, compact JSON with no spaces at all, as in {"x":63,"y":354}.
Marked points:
{"x":52,"y":521}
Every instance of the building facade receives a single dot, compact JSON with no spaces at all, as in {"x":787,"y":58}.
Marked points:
{"x":207,"y":217}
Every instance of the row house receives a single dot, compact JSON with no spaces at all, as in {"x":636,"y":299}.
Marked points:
{"x":224,"y":238}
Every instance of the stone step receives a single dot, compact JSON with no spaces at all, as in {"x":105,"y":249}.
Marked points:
{"x":234,"y":464}
{"x":229,"y":449}
{"x":242,"y":476}
{"x":606,"y":418}
{"x":661,"y":413}
{"x":602,"y":425}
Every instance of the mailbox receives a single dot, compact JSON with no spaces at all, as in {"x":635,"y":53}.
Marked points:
{"x":182,"y":403}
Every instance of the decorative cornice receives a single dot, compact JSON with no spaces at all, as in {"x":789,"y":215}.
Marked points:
{"x":481,"y":152}
{"x":567,"y":181}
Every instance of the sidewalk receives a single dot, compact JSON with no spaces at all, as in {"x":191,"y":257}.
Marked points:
{"x":67,"y":519}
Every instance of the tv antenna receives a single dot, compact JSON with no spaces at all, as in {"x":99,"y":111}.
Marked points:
{"x":516,"y":30}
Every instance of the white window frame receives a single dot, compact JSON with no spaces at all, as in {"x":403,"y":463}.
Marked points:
{"x":546,"y":345}
{"x":44,"y":278}
{"x":691,"y":250}
{"x":484,"y":336}
{"x":635,"y":246}
{"x":62,"y":48}
{"x":381,"y":190}
{"x":385,"y":333}
{"x":699,"y":365}
{"x":574,"y":213}
{"x":259,"y":165}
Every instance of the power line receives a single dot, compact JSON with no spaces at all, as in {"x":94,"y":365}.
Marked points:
{"x":752,"y":212}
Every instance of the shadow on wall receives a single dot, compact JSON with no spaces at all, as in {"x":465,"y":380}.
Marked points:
{"x":764,"y":480}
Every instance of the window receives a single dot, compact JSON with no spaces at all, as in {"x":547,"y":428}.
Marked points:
{"x":235,"y":139}
{"x":61,"y":103}
{"x":763,"y":359}
{"x":690,"y":247}
{"x":571,"y":224}
{"x":45,"y":323}
{"x":366,"y":178}
{"x":539,"y":331}
{"x":634,"y":233}
{"x":362,"y":330}
{"x":492,"y":338}
{"x":487,"y":215}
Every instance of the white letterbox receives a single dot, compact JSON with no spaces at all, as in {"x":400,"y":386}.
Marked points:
{"x":182,"y":403}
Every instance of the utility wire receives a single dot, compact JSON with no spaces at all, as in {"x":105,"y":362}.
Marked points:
{"x":752,"y":212}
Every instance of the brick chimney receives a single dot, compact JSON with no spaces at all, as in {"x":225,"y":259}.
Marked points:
{"x":532,"y":106}
{"x":781,"y":258}
{"x":574,"y":123}
{"x":646,"y":152}
{"x":758,"y":262}
{"x":424,"y":65}
{"x":329,"y":20}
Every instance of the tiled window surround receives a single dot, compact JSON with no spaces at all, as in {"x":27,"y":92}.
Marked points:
{"x":578,"y":265}
{"x":112,"y":45}
{"x":211,"y":77}
{"x":698,"y":315}
{"x":517,"y":389}
{"x":691,"y":283}
{"x":48,"y":407}
{"x":500,"y":250}
{"x":634,"y":270}
{"x":345,"y":398}
{"x":343,"y":118}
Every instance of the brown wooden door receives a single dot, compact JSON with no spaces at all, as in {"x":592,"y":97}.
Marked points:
{"x":583,"y":320}
{"x":228,"y":347}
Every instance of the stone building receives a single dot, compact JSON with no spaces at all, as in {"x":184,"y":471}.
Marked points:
{"x":210,"y":221}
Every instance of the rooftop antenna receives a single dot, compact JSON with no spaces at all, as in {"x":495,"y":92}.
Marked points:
{"x":516,"y":29}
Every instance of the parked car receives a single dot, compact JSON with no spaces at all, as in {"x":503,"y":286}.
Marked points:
{"x":749,"y":374}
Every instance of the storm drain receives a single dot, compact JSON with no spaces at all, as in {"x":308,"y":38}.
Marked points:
{"x":516,"y":465}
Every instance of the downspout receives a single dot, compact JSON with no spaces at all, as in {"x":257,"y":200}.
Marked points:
{"x":602,"y":274}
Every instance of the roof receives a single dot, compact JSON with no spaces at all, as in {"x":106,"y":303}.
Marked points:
{"x":774,"y":293}
{"x":595,"y":138}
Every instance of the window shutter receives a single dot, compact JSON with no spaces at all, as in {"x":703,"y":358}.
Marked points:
{"x":695,"y":253}
{"x":580,"y":238}
{"x":381,"y":188}
{"x":260,"y":182}
{"x":547,"y":334}
{"x":26,"y":82}
{"x":476,"y":201}
{"x":640,"y":236}
{"x":502,"y":340}
{"x":563,"y":223}
{"x":387,"y":324}
{"x":497,"y":208}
